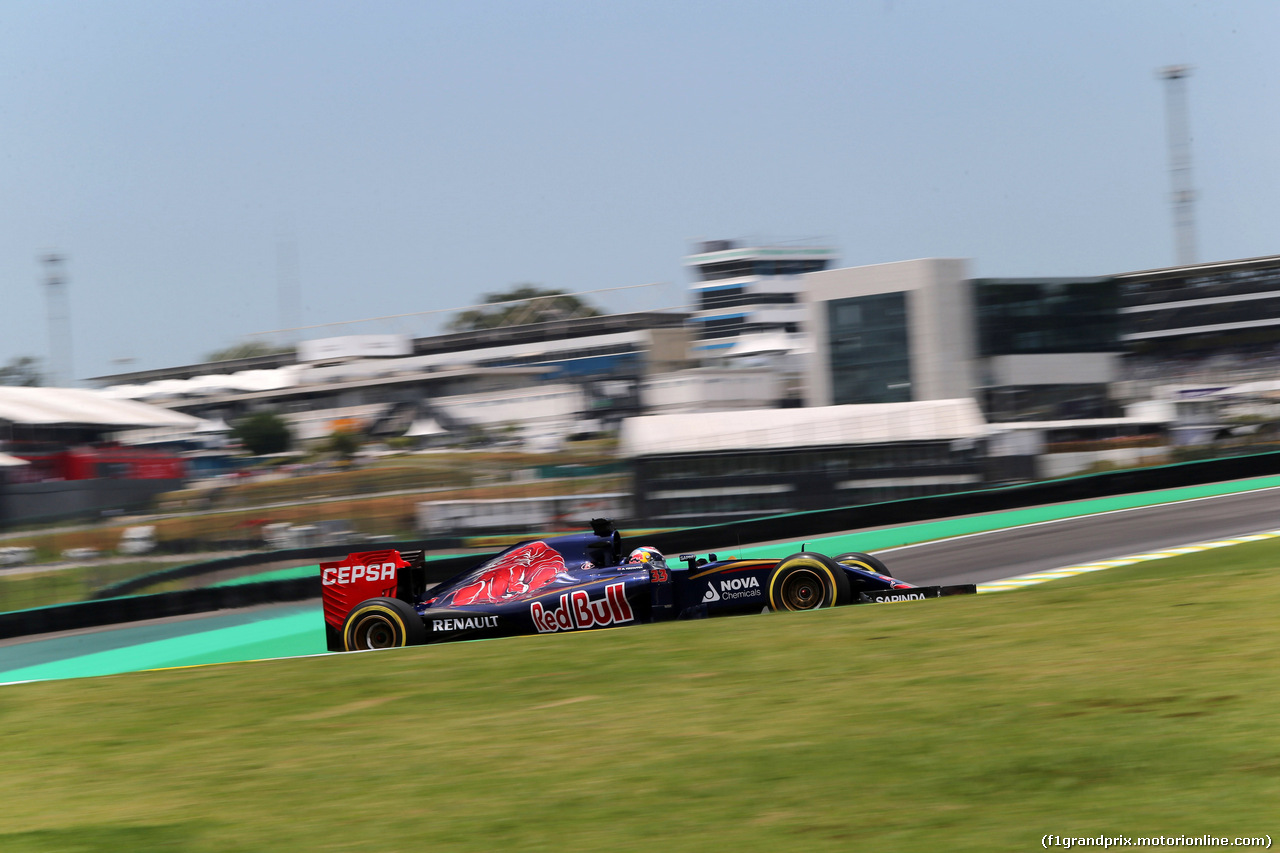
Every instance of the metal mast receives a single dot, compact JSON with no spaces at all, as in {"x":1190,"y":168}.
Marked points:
{"x":1184,"y":197}
{"x":288,"y":291}
{"x":55,"y":289}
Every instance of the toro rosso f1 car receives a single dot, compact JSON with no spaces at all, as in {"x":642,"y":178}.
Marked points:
{"x":380,"y":599}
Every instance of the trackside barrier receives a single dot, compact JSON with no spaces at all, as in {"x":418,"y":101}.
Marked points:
{"x":297,"y":556}
{"x":135,"y":608}
{"x":698,"y":539}
{"x":89,"y":614}
{"x":803,"y":525}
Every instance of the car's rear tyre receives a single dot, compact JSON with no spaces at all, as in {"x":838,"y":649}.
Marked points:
{"x":859,"y":560}
{"x":382,"y":623}
{"x":808,"y":581}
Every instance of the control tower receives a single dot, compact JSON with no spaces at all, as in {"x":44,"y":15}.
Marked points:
{"x":749,"y":288}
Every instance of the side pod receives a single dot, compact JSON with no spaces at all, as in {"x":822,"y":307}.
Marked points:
{"x":662,"y":597}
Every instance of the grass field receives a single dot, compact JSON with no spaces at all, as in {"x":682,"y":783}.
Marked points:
{"x":376,"y":514}
{"x":1137,"y":701}
{"x":39,"y":588}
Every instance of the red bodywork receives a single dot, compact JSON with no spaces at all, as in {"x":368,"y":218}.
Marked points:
{"x":510,"y":577}
{"x":347,"y":582}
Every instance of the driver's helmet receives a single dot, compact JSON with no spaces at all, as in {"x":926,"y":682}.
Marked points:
{"x":645,"y":554}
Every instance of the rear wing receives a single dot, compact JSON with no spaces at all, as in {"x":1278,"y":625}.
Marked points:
{"x":370,"y":574}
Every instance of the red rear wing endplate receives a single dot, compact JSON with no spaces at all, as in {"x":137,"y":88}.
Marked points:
{"x":347,"y":582}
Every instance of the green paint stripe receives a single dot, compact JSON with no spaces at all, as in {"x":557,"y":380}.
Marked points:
{"x":872,"y":540}
{"x":310,"y":641}
{"x":303,"y":633}
{"x":40,"y":650}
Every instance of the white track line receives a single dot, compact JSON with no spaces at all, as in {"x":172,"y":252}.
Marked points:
{"x":1067,"y":518}
{"x":1101,"y":565}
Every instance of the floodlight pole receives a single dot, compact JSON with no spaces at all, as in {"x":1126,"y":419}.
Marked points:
{"x":1179,"y":133}
{"x":55,"y":288}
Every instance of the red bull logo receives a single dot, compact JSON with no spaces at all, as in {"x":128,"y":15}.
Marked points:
{"x":578,"y":611}
{"x":511,"y":577}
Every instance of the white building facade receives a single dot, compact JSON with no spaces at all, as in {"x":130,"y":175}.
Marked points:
{"x":742,"y":289}
{"x":890,"y":333}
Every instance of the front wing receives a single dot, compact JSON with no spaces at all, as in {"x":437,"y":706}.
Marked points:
{"x":915,"y":593}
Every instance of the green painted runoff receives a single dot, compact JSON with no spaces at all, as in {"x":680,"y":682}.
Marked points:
{"x":299,"y":630}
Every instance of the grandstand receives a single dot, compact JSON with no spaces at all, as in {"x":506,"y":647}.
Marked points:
{"x":61,"y":457}
{"x":544,"y":378}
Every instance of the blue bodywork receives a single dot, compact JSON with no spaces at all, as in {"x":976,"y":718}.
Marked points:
{"x":583,"y":582}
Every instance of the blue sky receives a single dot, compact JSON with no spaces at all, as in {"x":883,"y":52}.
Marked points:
{"x":413,"y":156}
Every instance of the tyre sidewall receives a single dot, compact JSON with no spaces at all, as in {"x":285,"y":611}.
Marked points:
{"x":859,"y":560}
{"x":399,"y":615}
{"x":835,"y":584}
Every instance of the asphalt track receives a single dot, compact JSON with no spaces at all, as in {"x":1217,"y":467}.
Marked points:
{"x":982,"y":557}
{"x":969,"y":549}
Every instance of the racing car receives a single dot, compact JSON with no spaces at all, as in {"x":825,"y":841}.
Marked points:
{"x":584,"y":581}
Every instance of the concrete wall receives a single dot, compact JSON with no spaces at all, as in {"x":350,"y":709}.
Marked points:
{"x":711,"y":390}
{"x":669,"y":349}
{"x":1051,"y":465}
{"x":1083,"y":368}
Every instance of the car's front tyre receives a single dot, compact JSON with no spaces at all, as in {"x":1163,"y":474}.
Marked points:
{"x":382,"y":623}
{"x":859,"y":560}
{"x":808,"y":581}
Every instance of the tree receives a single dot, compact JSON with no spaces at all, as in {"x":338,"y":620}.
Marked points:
{"x":249,"y":349}
{"x":343,"y":442}
{"x":264,"y":432}
{"x":23,"y":370}
{"x":524,"y":303}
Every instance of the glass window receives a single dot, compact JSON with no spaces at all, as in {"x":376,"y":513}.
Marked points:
{"x":869,"y":349}
{"x":1030,"y":316}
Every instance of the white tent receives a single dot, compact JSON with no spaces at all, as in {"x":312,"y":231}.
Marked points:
{"x":769,"y":342}
{"x":823,"y":426}
{"x":424,"y":427}
{"x":83,"y":407}
{"x":208,"y":384}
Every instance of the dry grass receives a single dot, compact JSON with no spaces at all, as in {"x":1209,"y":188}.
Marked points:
{"x":1138,"y":701}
